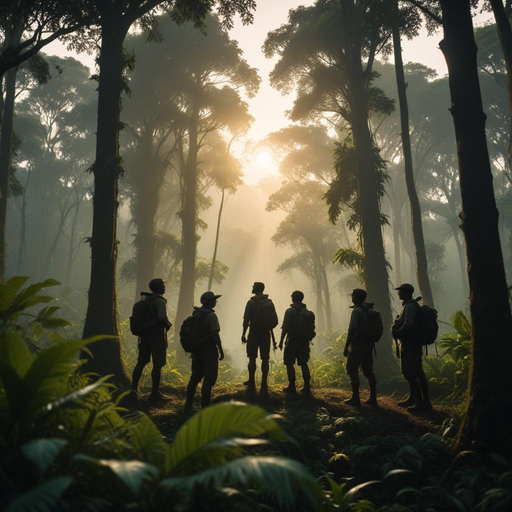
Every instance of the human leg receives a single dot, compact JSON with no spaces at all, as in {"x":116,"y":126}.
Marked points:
{"x":195,"y":378}
{"x":353,"y":363}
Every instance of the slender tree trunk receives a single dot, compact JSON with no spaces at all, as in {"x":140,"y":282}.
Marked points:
{"x":320,"y":317}
{"x":147,"y":207}
{"x":375,"y":268}
{"x":189,"y":234}
{"x":462,"y":264}
{"x":487,"y":419}
{"x":72,"y":238}
{"x":214,"y":258}
{"x":505,"y":35}
{"x":327,"y":293}
{"x":53,"y":247}
{"x":102,"y":314}
{"x":417,"y":226}
{"x":23,"y":230}
{"x":396,"y":246}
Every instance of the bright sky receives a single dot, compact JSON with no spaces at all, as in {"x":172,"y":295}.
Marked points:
{"x":269,"y":106}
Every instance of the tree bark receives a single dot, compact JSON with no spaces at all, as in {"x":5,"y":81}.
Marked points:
{"x":487,"y":417}
{"x":505,"y":35}
{"x":417,"y":226}
{"x":72,"y":238}
{"x":189,"y":234}
{"x":396,"y":246}
{"x":102,"y":314}
{"x":23,"y":227}
{"x":214,"y":258}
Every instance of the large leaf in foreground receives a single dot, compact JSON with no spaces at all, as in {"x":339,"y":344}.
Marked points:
{"x":42,"y":452}
{"x":282,"y":477}
{"x":228,"y":419}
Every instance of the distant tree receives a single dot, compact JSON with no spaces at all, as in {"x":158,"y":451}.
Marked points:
{"x":327,"y":51}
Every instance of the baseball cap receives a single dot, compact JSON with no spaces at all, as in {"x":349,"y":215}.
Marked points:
{"x":407,"y":287}
{"x":208,"y":296}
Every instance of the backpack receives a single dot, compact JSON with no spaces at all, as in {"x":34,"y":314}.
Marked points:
{"x":139,"y":324}
{"x":427,"y":326}
{"x":267,"y":316}
{"x":192,"y":335}
{"x":304,"y":325}
{"x":372,"y":326}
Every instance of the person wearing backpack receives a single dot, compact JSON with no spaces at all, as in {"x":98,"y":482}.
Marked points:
{"x":406,"y":329}
{"x":299,"y":328}
{"x":153,"y":325}
{"x":205,"y":359}
{"x":359,"y":348}
{"x":260,"y":318}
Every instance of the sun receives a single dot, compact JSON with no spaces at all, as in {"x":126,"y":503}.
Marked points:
{"x":263,"y":158}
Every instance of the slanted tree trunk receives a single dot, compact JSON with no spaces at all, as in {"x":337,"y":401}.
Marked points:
{"x":214,"y":258}
{"x":147,"y":180}
{"x":505,"y":35}
{"x":487,"y":417}
{"x":102,"y":305}
{"x":375,"y":267}
{"x":189,"y":234}
{"x":12,"y":39}
{"x":417,"y":226}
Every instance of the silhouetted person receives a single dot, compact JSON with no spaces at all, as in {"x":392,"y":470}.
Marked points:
{"x":258,"y":319}
{"x":405,"y":328}
{"x":205,"y":362}
{"x":153,"y":344}
{"x":358,"y":350}
{"x":299,"y":326}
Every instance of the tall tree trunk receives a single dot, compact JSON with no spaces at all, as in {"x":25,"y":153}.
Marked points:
{"x":214,"y":258}
{"x":396,"y":246}
{"x":505,"y":35}
{"x":147,"y":180}
{"x":375,"y":268}
{"x":327,"y":293}
{"x":102,"y":314}
{"x":72,"y":238}
{"x":320,"y":316}
{"x":487,"y":417}
{"x":189,"y":234}
{"x":417,"y":226}
{"x":12,"y":39}
{"x":23,"y":230}
{"x":462,"y":263}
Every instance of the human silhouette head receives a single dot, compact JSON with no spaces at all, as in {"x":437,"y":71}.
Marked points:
{"x":358,"y":295}
{"x":157,"y":285}
{"x":258,"y":287}
{"x":297,"y":297}
{"x":209,"y":299}
{"x":405,"y":291}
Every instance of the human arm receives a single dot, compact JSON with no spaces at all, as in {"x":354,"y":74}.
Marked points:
{"x":161,"y":313}
{"x":355,"y":319}
{"x":214,"y":329}
{"x":409,"y":319}
{"x":285,"y":328}
{"x":247,"y":320}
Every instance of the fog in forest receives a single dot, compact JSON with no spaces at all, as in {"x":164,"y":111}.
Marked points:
{"x":272,"y":185}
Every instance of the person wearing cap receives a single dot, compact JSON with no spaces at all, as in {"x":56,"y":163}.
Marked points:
{"x":153,"y":344}
{"x":297,"y":346}
{"x":259,"y":336}
{"x":358,"y":351}
{"x":405,"y":329}
{"x":205,"y":362}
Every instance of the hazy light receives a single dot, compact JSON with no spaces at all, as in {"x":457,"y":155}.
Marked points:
{"x":264,"y":159}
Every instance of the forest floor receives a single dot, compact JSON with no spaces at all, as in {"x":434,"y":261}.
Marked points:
{"x":314,"y":421}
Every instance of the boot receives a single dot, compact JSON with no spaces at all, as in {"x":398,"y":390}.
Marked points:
{"x":306,"y":389}
{"x":252,"y":372}
{"x":373,"y":395}
{"x":306,"y":375}
{"x":354,"y":399}
{"x":206,"y":393}
{"x":412,"y":396}
{"x":290,"y":388}
{"x":158,"y":396}
{"x":423,"y":404}
{"x":264,"y":374}
{"x":191,"y":391}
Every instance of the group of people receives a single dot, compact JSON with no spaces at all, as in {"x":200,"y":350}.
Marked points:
{"x":297,"y":331}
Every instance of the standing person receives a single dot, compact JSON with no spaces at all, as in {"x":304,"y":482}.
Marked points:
{"x":153,"y":343}
{"x":260,"y":318}
{"x":205,"y":361}
{"x":359,"y":349}
{"x":405,"y":329}
{"x":299,"y":325}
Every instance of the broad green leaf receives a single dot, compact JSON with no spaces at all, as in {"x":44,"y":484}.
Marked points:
{"x":42,"y":452}
{"x":219,"y":421}
{"x":14,"y":351}
{"x":30,"y":291}
{"x":13,"y":385}
{"x":365,"y":485}
{"x":43,"y":498}
{"x":147,"y":442}
{"x":282,"y":477}
{"x":9,"y":290}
